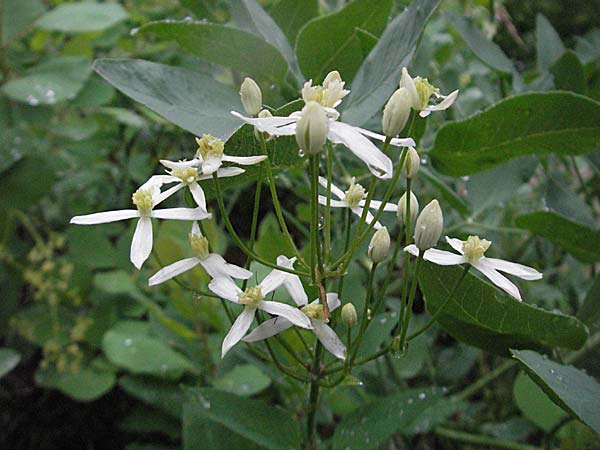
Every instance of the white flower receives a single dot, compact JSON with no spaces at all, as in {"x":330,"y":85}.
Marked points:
{"x":145,"y":199}
{"x":252,"y":299}
{"x":353,"y":198}
{"x":421,"y":91}
{"x":213,"y":263}
{"x":329,"y":95}
{"x":315,"y":314}
{"x":471,"y":251}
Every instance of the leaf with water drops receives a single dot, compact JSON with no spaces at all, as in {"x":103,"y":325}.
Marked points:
{"x":534,"y":404}
{"x":82,"y":17}
{"x":570,"y":388}
{"x":244,"y":380}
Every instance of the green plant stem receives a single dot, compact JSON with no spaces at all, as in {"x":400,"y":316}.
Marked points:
{"x":314,"y":216}
{"x":364,"y":320}
{"x":327,"y":248}
{"x":480,"y":439}
{"x":485,"y":380}
{"x":254,"y":224}
{"x":304,"y":343}
{"x":406,"y":263}
{"x":425,"y":327}
{"x":340,"y":288}
{"x":411,"y":299}
{"x":313,"y":396}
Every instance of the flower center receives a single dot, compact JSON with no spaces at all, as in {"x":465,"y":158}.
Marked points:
{"x":210,"y":147}
{"x":314,"y":311}
{"x":251,"y":296}
{"x":425,"y":90}
{"x":354,"y":194}
{"x":199,"y":245}
{"x":142,"y":198}
{"x":329,"y":94}
{"x":474,"y":248}
{"x":186,"y":174}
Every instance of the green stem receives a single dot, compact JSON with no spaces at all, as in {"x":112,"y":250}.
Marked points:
{"x":314,"y":215}
{"x":328,"y":205}
{"x":480,"y":439}
{"x":254,"y":224}
{"x":411,"y":299}
{"x":363,"y":321}
{"x":485,"y":380}
{"x":388,"y":274}
{"x":313,"y":396}
{"x":340,"y":288}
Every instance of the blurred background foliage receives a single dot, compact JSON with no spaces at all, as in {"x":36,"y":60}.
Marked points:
{"x":93,"y":358}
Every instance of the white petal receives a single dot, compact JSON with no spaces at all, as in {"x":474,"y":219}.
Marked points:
{"x":444,"y":104}
{"x":456,"y":244}
{"x":105,"y":217}
{"x":217,"y":267}
{"x":407,"y":81}
{"x":159,"y":180}
{"x":211,"y":165}
{"x":333,"y":301}
{"x":180,"y":164}
{"x":196,"y":229}
{"x":181,"y":214}
{"x":244,"y":160}
{"x":225,"y":172}
{"x":275,"y":126}
{"x":333,"y":203}
{"x":376,"y":204}
{"x":412,"y":249}
{"x":292,"y":282}
{"x":141,"y":244}
{"x":172,"y":270}
{"x":368,"y":219}
{"x":225,"y":288}
{"x":379,"y":164}
{"x":292,"y":314}
{"x":518,"y":270}
{"x":443,"y":258}
{"x":198,"y":195}
{"x":329,"y":339}
{"x":166,"y":194}
{"x":397,"y":142}
{"x":498,"y":279}
{"x":268,"y":328}
{"x":334,"y":189}
{"x":272,"y":281}
{"x":238,"y":329}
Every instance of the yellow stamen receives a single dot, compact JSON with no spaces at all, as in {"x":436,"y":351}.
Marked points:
{"x":251,"y":296}
{"x":474,"y":248}
{"x":142,"y":198}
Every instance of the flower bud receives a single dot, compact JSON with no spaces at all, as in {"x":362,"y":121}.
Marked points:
{"x":402,"y":207}
{"x":429,"y":226}
{"x":349,"y":316}
{"x":264,"y":113}
{"x":396,"y":112}
{"x":379,"y":246}
{"x":251,"y":96}
{"x":411,"y":163}
{"x":312,"y":128}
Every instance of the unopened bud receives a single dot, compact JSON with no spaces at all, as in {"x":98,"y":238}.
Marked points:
{"x":251,"y":96}
{"x":379,"y":246}
{"x":263,"y":114}
{"x":403,"y":207}
{"x":396,"y":112}
{"x":429,"y":226}
{"x":349,"y":316}
{"x":312,"y":128}
{"x":411,"y":163}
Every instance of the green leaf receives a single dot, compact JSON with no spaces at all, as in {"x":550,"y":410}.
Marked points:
{"x":222,"y":44}
{"x":561,"y":198}
{"x":486,"y":50}
{"x":534,"y":404}
{"x":268,"y":426}
{"x":82,"y":17}
{"x":271,"y":242}
{"x":245,"y":380}
{"x":161,"y":394}
{"x":193,"y":101}
{"x":579,"y":240}
{"x":124,"y":116}
{"x":549,"y":46}
{"x":16,"y":17}
{"x":142,"y":354}
{"x":86,"y":384}
{"x":51,"y":82}
{"x":569,"y":74}
{"x":380,"y":72}
{"x":291,"y":15}
{"x":410,"y":412}
{"x":331,"y":42}
{"x":589,"y":313}
{"x":9,"y":359}
{"x":447,"y":192}
{"x":534,"y":123}
{"x":568,"y":387}
{"x":480,"y":315}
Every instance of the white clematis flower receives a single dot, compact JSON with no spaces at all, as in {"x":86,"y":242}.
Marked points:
{"x":252,"y":299}
{"x":421,"y":91}
{"x":471,"y":251}
{"x":353,"y":198}
{"x":314,"y":311}
{"x":213,"y":263}
{"x":145,"y":199}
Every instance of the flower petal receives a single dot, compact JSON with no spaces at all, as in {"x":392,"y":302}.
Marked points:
{"x":105,"y":217}
{"x":498,"y":279}
{"x":329,"y":339}
{"x":376,"y":204}
{"x":368,"y":219}
{"x":244,"y":160}
{"x":272,"y":281}
{"x":292,"y":282}
{"x":456,"y":244}
{"x":446,"y":103}
{"x":181,"y":214}
{"x":268,"y":328}
{"x":292,"y":314}
{"x":217,"y":267}
{"x":198,"y":195}
{"x":407,"y":81}
{"x":159,"y":180}
{"x":412,"y":249}
{"x":334,"y":189}
{"x":238,"y":329}
{"x":333,"y":301}
{"x":275,"y":126}
{"x":378,"y":163}
{"x":211,"y":165}
{"x":141,"y":244}
{"x":443,"y":258}
{"x":396,"y":142}
{"x":333,"y":203}
{"x":172,"y":270}
{"x":518,"y":270}
{"x":166,"y":194}
{"x":225,"y":288}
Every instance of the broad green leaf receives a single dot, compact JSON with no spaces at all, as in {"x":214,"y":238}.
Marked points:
{"x":579,"y":240}
{"x":448,"y":193}
{"x":569,"y":74}
{"x":95,"y":92}
{"x":51,"y":82}
{"x":331,"y":42}
{"x":561,"y":198}
{"x":589,"y":313}
{"x":534,"y":123}
{"x":379,"y":74}
{"x":480,"y":315}
{"x":534,"y":404}
{"x":483,"y":48}
{"x":143,"y":420}
{"x":271,"y":242}
{"x":222,"y":44}
{"x":37,"y":325}
{"x":245,"y":380}
{"x":124,"y":116}
{"x":143,"y":354}
{"x":268,"y":426}
{"x":86,"y":384}
{"x":9,"y":359}
{"x":192,"y":101}
{"x":410,"y":412}
{"x":16,"y":16}
{"x":568,"y":387}
{"x":549,"y":47}
{"x":90,"y":248}
{"x":291,"y":15}
{"x":162,"y":394}
{"x":82,"y":17}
